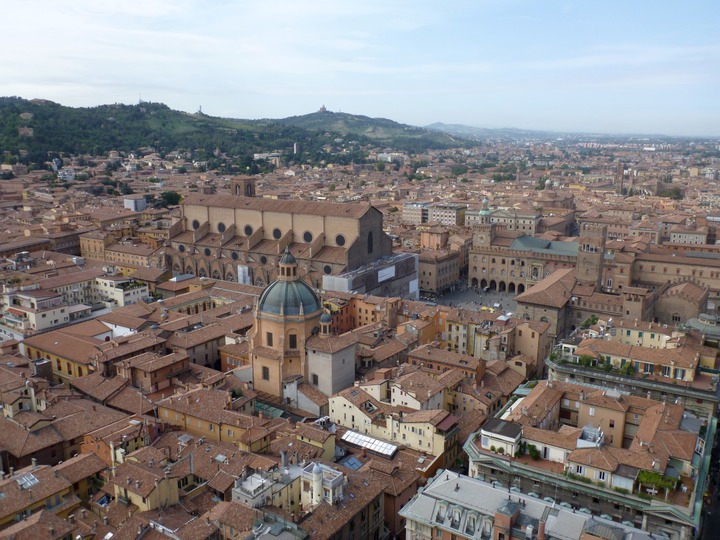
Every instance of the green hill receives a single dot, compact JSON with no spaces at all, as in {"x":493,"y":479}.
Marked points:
{"x":380,"y":130}
{"x":34,"y":128}
{"x":95,"y":130}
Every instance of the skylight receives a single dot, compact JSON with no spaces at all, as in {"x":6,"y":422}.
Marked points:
{"x":27,"y":481}
{"x":374,"y":445}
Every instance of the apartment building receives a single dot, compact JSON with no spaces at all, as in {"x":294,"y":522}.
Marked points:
{"x":118,"y":291}
{"x":453,"y":505}
{"x":446,"y":214}
{"x":438,"y":271}
{"x":526,"y":220}
{"x":153,"y":372}
{"x":30,"y":311}
{"x":603,"y":452}
{"x":644,"y":359}
{"x":59,"y":489}
{"x":89,"y":347}
{"x":430,"y":431}
{"x":218,"y":416}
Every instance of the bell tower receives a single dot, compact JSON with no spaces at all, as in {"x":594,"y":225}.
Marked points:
{"x":243,"y":186}
{"x":484,"y":230}
{"x":591,"y":250}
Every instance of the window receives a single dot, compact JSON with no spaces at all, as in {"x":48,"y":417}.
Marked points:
{"x":370,"y":242}
{"x":315,"y":379}
{"x":266,"y":373}
{"x":612,"y":423}
{"x":601,"y":475}
{"x":579,"y":469}
{"x":292,"y":338}
{"x":277,"y":233}
{"x":269,"y":339}
{"x":591,"y":411}
{"x":666,"y":371}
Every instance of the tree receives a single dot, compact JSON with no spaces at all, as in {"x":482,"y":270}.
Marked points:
{"x":459,"y":170}
{"x":168,"y":198}
{"x":674,"y":193}
{"x":380,"y":166}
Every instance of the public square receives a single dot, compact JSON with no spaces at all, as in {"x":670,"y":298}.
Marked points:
{"x":470,"y":298}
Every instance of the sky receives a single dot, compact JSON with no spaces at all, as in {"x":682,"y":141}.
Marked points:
{"x":606,"y":66}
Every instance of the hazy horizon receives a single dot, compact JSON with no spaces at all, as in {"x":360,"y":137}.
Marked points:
{"x":604,"y":68}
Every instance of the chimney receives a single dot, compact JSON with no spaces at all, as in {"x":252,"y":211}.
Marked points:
{"x":82,"y":513}
{"x":71,"y":518}
{"x":541,"y":531}
{"x":480,"y":370}
{"x":34,"y":463}
{"x":12,"y":471}
{"x":105,"y":520}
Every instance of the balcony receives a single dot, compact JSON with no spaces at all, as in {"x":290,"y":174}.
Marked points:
{"x":703,"y":387}
{"x":16,"y":321}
